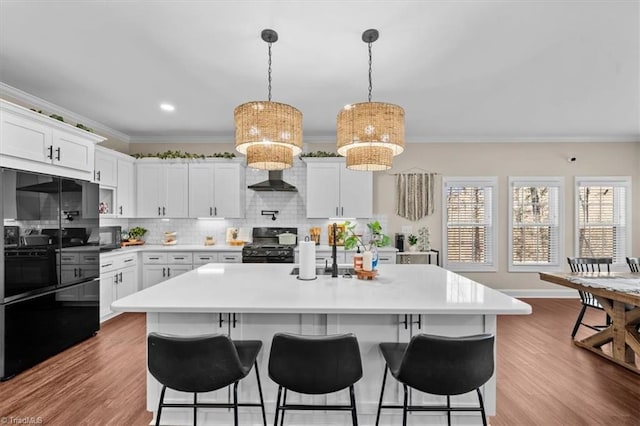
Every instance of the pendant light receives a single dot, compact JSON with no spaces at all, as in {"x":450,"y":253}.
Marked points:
{"x":370,"y":134}
{"x":268,"y":133}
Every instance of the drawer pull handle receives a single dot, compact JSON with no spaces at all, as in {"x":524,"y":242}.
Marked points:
{"x":128,"y":260}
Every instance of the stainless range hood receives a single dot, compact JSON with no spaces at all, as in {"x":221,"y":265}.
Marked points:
{"x":274,"y":183}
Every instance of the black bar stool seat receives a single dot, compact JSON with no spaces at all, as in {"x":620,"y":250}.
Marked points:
{"x":314,"y":365}
{"x":203,"y":363}
{"x":439,"y":365}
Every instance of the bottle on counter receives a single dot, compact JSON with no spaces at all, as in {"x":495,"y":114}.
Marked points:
{"x":367,"y":258}
{"x":374,"y":257}
{"x":357,"y":259}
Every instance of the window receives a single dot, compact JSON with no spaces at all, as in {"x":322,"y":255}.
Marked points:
{"x":469,"y":223}
{"x":535,"y":231}
{"x":602,"y":213}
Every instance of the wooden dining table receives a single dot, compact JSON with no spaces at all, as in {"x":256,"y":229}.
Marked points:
{"x":617,"y":295}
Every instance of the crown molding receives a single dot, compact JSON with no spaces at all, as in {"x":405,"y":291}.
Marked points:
{"x":36,"y":102}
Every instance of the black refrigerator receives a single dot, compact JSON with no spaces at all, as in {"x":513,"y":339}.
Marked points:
{"x":49,"y":277}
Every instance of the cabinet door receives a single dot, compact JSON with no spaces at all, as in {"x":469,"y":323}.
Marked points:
{"x":127,"y":282}
{"x":153,"y":274}
{"x":150,"y":184}
{"x":125,"y":204}
{"x":175,"y":202}
{"x":26,"y":139}
{"x":175,"y":270}
{"x":356,"y":193}
{"x":72,"y":151}
{"x":201,"y":202}
{"x":107,"y":292}
{"x":323,"y":193}
{"x":106,"y":169}
{"x":229,"y":190}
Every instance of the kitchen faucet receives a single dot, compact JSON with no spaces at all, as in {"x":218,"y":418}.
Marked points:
{"x":334,"y":263}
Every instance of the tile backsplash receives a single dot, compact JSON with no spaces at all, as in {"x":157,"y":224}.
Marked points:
{"x":291,"y":207}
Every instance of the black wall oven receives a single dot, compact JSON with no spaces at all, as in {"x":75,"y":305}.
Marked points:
{"x":44,"y":308}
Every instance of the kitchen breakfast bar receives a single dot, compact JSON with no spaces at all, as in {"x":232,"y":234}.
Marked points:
{"x":255,"y":301}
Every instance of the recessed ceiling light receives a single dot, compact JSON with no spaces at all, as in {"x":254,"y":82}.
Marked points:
{"x":167,"y":107}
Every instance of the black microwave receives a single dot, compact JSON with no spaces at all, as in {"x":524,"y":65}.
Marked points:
{"x":110,"y":237}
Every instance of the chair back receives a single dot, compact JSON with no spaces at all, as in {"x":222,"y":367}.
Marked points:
{"x":315,"y":364}
{"x":589,"y":264}
{"x":194,"y":364}
{"x":447,"y":365}
{"x":634,"y":263}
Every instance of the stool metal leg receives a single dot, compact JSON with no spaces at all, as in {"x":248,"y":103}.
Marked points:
{"x":264,"y":415}
{"x":235,"y":404}
{"x":384,"y":380}
{"x":284,"y":402}
{"x":404,"y":405}
{"x":354,"y":414}
{"x":275,"y":421}
{"x":195,"y":409}
{"x":164,"y":388}
{"x":484,"y":416}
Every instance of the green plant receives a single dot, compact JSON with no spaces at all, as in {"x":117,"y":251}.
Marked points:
{"x":137,"y":232}
{"x":168,"y":155}
{"x":351,"y":239}
{"x":320,"y":154}
{"x":413,"y":240}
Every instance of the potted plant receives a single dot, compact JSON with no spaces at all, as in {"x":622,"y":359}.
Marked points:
{"x":413,"y":241}
{"x":136,"y":233}
{"x":376,"y":239}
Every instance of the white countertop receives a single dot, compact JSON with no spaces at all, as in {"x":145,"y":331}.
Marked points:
{"x":176,"y":247}
{"x":269,"y":288}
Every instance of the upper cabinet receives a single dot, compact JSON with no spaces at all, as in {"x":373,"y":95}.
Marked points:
{"x":217,"y":189}
{"x":125,"y":206}
{"x":162,"y":189}
{"x":335,"y":191}
{"x":34,"y":142}
{"x":106,"y":167}
{"x":114,"y":171}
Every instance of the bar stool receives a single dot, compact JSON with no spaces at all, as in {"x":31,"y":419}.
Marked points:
{"x":202,"y":364}
{"x":441,"y":366}
{"x":314,"y":365}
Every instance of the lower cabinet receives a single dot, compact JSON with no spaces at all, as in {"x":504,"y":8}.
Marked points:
{"x":160,"y":266}
{"x":118,"y":278}
{"x":74,"y":268}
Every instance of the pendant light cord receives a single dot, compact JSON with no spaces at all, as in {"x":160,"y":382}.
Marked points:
{"x":370,"y":61}
{"x":269,"y":72}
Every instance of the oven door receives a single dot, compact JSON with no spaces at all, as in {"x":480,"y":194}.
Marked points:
{"x":29,"y":271}
{"x":268,"y":259}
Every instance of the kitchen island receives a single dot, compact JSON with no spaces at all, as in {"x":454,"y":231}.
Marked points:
{"x":254,"y":301}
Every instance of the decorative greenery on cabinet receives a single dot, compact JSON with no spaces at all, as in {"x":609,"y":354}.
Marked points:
{"x":169,"y":155}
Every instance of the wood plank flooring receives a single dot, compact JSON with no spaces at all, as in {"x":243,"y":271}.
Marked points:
{"x":543,"y":379}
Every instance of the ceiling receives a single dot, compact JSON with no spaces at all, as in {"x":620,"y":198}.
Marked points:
{"x":462,"y":70}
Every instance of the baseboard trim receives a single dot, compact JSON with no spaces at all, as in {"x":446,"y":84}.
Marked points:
{"x":542,"y":293}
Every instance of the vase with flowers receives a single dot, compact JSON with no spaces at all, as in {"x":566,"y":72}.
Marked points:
{"x":375,"y":237}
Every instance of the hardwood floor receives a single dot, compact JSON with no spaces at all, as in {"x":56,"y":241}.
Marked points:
{"x":543,"y":379}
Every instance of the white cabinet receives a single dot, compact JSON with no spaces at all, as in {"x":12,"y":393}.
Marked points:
{"x":106,"y":168}
{"x":216,"y":189}
{"x":35,"y":142}
{"x":162,"y":189}
{"x":74,"y":268}
{"x":160,"y":266}
{"x":118,"y":278}
{"x":335,"y":191}
{"x":125,"y":205}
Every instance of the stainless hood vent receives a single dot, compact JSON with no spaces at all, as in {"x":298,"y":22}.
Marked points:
{"x":274,"y":183}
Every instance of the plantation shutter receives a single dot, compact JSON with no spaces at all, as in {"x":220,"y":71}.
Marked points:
{"x":470,"y":223}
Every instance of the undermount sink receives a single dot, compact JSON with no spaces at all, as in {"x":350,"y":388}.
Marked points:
{"x":320,"y":270}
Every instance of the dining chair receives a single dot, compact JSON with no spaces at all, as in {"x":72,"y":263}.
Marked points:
{"x":588,"y":300}
{"x":634,"y":263}
{"x":203,"y":364}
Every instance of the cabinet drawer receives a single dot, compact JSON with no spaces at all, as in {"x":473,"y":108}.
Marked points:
{"x":154,"y":258}
{"x":182,"y":258}
{"x":89,"y":259}
{"x":69,"y":258}
{"x":204,"y":258}
{"x":107,"y":265}
{"x":230,"y":257}
{"x":126,"y":261}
